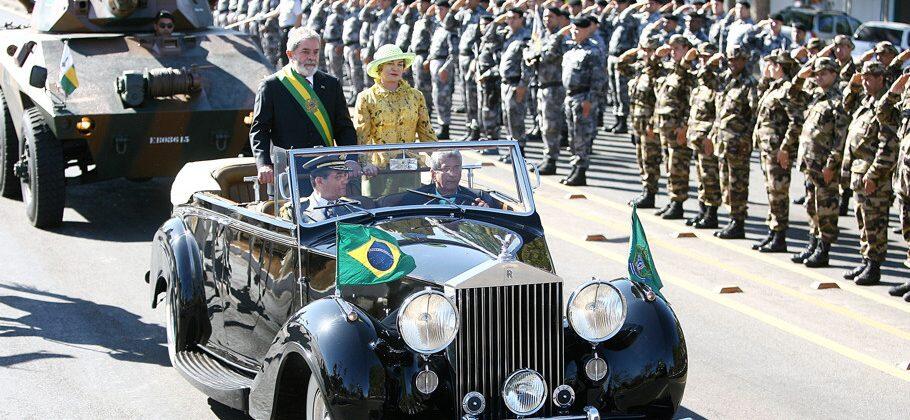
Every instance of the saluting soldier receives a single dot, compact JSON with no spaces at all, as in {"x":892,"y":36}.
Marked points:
{"x":671,"y":111}
{"x":701,"y":119}
{"x":822,"y":133}
{"x":547,"y":64}
{"x":486,"y":71}
{"x":774,"y":125}
{"x":583,"y":77}
{"x":442,"y":69}
{"x":869,"y":162}
{"x":465,"y":14}
{"x":623,"y":38}
{"x":646,"y":71}
{"x":514,"y":74}
{"x":350,"y":37}
{"x":421,"y":37}
{"x":732,"y":138}
{"x":893,"y":103}
{"x":333,"y":45}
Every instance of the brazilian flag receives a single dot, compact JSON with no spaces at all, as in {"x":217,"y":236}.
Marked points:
{"x":368,"y":256}
{"x":641,"y":265}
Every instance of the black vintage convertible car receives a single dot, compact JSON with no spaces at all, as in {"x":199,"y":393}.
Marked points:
{"x":480,"y":329}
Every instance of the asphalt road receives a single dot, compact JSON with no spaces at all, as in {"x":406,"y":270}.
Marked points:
{"x":78,"y":338}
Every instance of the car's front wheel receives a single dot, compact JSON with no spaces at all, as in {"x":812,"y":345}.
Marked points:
{"x":316,"y":408}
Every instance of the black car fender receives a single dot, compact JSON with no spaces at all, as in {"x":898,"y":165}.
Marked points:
{"x":647,"y":360}
{"x":176,"y":261}
{"x":339,"y":351}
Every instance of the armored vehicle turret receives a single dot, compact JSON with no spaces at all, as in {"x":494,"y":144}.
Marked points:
{"x":98,"y":89}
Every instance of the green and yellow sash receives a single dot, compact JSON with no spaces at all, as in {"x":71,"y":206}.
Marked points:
{"x":302,"y":91}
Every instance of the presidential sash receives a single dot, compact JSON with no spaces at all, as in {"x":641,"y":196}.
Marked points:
{"x":302,"y":91}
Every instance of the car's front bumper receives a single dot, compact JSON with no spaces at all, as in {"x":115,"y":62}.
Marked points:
{"x":590,"y":413}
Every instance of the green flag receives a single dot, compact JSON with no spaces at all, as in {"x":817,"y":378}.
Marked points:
{"x":368,"y":256}
{"x":641,"y":265}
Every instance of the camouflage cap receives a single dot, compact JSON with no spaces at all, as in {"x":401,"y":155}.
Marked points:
{"x":780,"y":56}
{"x":825,"y":63}
{"x":737,"y":51}
{"x":650,"y":43}
{"x":844,"y":40}
{"x":679,"y":39}
{"x":815,"y":44}
{"x":885,"y":47}
{"x":707,"y":48}
{"x":873,"y":67}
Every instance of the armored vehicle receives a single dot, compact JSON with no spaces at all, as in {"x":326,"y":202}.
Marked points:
{"x":145,"y":101}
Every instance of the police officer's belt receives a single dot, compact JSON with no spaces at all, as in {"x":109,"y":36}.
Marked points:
{"x":550,"y":85}
{"x":511,"y":80}
{"x":422,"y":52}
{"x":579,"y":90}
{"x":333,"y":40}
{"x":348,"y":44}
{"x":441,"y":57}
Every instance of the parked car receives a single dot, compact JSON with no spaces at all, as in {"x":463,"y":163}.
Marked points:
{"x":255,"y":321}
{"x":871,"y":33}
{"x":824,"y":24}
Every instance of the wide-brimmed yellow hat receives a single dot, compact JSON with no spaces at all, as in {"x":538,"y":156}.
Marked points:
{"x":385,"y":54}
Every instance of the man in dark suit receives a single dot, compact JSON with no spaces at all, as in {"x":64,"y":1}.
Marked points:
{"x":446,"y":171}
{"x":282,"y":117}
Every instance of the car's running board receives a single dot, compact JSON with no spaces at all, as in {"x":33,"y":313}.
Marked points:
{"x":214,"y":379}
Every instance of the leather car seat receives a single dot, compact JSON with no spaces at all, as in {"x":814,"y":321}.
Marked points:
{"x":233,"y":187}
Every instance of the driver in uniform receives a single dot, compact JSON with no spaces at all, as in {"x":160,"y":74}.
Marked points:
{"x":329,"y":175}
{"x":445,"y":170}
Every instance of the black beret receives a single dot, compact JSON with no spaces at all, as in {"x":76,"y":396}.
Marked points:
{"x":801,"y":26}
{"x":602,"y":3}
{"x":744,"y":3}
{"x":581,"y":21}
{"x":670,"y":16}
{"x":487,"y":18}
{"x":164,"y":14}
{"x":517,"y":11}
{"x":574,"y":2}
{"x":697,"y":15}
{"x":443,"y":3}
{"x":777,"y":16}
{"x":555,"y":10}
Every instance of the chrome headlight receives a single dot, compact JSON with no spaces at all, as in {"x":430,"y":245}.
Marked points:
{"x":596,"y":311}
{"x":524,"y":392}
{"x":428,"y":321}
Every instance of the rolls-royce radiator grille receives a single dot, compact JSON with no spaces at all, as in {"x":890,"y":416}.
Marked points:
{"x":504,"y":329}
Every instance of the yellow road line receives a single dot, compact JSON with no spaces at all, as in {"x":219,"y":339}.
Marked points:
{"x":795,"y":293}
{"x":773,"y":321}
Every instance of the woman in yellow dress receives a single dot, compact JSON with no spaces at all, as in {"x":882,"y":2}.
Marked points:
{"x":391,"y":111}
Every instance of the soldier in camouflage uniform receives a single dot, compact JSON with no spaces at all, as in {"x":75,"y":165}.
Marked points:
{"x":547,"y":65}
{"x":822,"y":131}
{"x":270,"y":34}
{"x":774,"y":124}
{"x":646,"y":71}
{"x":893,"y":103}
{"x":420,"y":45}
{"x":514,"y":74}
{"x":671,"y":113}
{"x":350,"y":37}
{"x":583,"y":77}
{"x":731,"y":135}
{"x":465,"y":14}
{"x":869,"y":161}
{"x":333,"y":45}
{"x":443,"y":45}
{"x":623,"y":38}
{"x":486,"y":71}
{"x":701,"y":119}
{"x":407,"y":16}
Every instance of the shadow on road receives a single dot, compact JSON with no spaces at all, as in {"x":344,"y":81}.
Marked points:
{"x":224,"y":412}
{"x":80,"y":323}
{"x":118,"y":210}
{"x":685,"y":413}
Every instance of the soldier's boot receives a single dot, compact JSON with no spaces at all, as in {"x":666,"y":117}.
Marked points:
{"x":547,"y":167}
{"x":735,"y":230}
{"x":675,"y":211}
{"x":764,"y":241}
{"x":702,"y":208}
{"x":810,"y":249}
{"x":621,"y":128}
{"x":900,"y":289}
{"x":907,"y":297}
{"x":851,"y":274}
{"x":819,"y":258}
{"x":571,"y":173}
{"x":799,"y":201}
{"x":844,"y":202}
{"x":577,"y":178}
{"x":907,"y":262}
{"x":613,"y":127}
{"x":644,"y":201}
{"x":535,"y":135}
{"x":461,"y":109}
{"x":664,"y":209}
{"x":443,"y":133}
{"x":871,"y":276}
{"x":777,"y":244}
{"x":710,"y":219}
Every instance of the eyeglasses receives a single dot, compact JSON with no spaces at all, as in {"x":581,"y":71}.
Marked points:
{"x":166,"y":25}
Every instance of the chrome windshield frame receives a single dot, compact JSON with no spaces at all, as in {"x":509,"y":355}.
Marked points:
{"x":521,"y":177}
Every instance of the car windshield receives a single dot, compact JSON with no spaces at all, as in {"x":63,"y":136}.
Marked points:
{"x":332,"y":183}
{"x":877,"y":34}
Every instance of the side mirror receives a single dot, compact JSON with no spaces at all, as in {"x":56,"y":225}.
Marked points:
{"x":38,"y":77}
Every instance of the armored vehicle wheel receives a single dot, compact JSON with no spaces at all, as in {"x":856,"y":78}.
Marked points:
{"x":41,"y":172}
{"x":315,"y":402}
{"x":9,"y":153}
